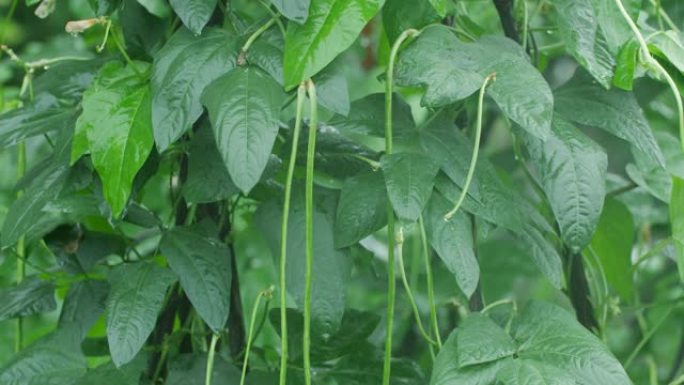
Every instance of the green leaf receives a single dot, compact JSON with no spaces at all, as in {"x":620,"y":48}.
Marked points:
{"x":366,"y":117}
{"x":195,"y":14}
{"x":84,"y":304}
{"x":203,"y":266}
{"x":617,"y":112}
{"x":52,"y":360}
{"x":331,"y":267}
{"x":626,"y":65}
{"x":612,"y":243}
{"x":116,"y":128}
{"x":677,"y":219}
{"x":453,"y":242}
{"x":670,"y":45}
{"x":399,"y":15}
{"x":245,"y":121}
{"x":552,"y":336}
{"x":191,"y":370}
{"x":573,"y":170}
{"x":136,"y":296}
{"x":362,"y":208}
{"x":46,"y":113}
{"x":208,"y":178}
{"x":109,"y":374}
{"x":159,"y":8}
{"x":267,"y":54}
{"x":332,"y":26}
{"x":409,"y":178}
{"x":295,"y":10}
{"x":480,"y":341}
{"x":332,"y":92}
{"x":580,"y":29}
{"x":28,"y":211}
{"x":451,"y":70}
{"x":551,"y":347}
{"x":30,"y":297}
{"x":181,"y":71}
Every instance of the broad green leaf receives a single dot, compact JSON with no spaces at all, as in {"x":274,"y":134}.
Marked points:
{"x":362,"y":208}
{"x":143,"y":32}
{"x":195,"y":14}
{"x":159,"y":8}
{"x":267,"y":54}
{"x":612,"y":243}
{"x":615,"y":30}
{"x":32,"y":296}
{"x":615,"y":111}
{"x":109,"y":374}
{"x":453,"y":242}
{"x":670,"y":45}
{"x":208,"y":178}
{"x":452,"y":70}
{"x":332,"y":26}
{"x":519,"y":372}
{"x":573,"y":170}
{"x":52,"y":360}
{"x":296,"y":10}
{"x":84,"y":304}
{"x":446,"y":369}
{"x":580,"y":29}
{"x":191,"y":370}
{"x":677,"y":218}
{"x":203,"y":266}
{"x":626,"y":65}
{"x":551,"y":335}
{"x":442,"y":64}
{"x":332,"y":92}
{"x":136,"y":296}
{"x":550,"y":347}
{"x":489,"y":196}
{"x":409,"y":178}
{"x":331,"y":267}
{"x":480,"y":341}
{"x":243,"y":108}
{"x":181,"y":71}
{"x":46,"y":113}
{"x":400,"y":15}
{"x":28,"y":211}
{"x":366,"y":117}
{"x":355,"y":328}
{"x":116,"y":128}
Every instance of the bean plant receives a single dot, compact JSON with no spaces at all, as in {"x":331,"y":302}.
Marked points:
{"x":358,"y":192}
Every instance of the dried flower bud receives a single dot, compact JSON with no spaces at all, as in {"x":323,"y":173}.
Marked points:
{"x":78,"y":26}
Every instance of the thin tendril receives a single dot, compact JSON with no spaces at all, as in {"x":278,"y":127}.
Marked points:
{"x":430,"y":283}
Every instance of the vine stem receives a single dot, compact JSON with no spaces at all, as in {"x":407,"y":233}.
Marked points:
{"x":476,"y":148}
{"x":391,"y":283}
{"x":646,"y":338}
{"x":301,"y":94}
{"x":416,"y":314}
{"x":310,"y":153}
{"x":252,"y":38}
{"x":262,"y":294}
{"x":655,"y":65}
{"x":21,"y":248}
{"x":430,"y":283}
{"x":210,"y":360}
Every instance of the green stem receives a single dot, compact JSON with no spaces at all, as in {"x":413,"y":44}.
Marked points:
{"x":430,"y":283}
{"x":664,"y":15}
{"x":476,"y":148}
{"x":505,"y":301}
{"x":391,"y":279}
{"x":655,"y":65}
{"x":409,"y":293}
{"x":267,"y":294}
{"x":252,"y":38}
{"x":646,"y":338}
{"x":123,"y":52}
{"x":210,"y":360}
{"x":310,"y":153}
{"x":301,"y":94}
